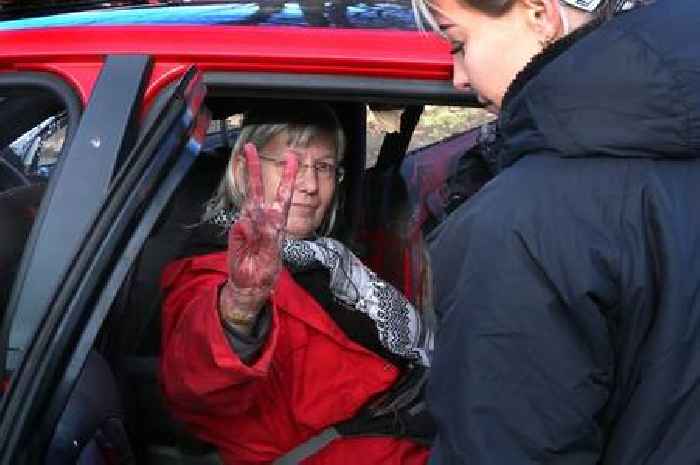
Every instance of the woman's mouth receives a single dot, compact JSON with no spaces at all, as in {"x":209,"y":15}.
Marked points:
{"x":304,"y":206}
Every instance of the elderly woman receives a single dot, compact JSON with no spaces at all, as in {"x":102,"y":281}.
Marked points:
{"x":570,"y":333}
{"x":277,"y":332}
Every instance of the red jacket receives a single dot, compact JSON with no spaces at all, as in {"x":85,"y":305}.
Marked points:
{"x":309,"y":375}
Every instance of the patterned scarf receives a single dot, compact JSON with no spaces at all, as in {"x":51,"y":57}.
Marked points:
{"x":400,"y":326}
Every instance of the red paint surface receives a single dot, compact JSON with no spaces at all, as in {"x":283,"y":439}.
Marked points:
{"x":76,"y":53}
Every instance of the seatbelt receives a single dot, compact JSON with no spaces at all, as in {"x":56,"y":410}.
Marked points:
{"x":391,"y":154}
{"x":400,"y":413}
{"x":385,"y":199}
{"x":309,"y":447}
{"x":395,"y":145}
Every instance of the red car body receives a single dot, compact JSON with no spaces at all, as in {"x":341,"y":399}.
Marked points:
{"x":77,"y":53}
{"x":57,"y":332}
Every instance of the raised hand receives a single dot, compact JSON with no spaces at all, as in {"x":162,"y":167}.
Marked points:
{"x":254,"y":242}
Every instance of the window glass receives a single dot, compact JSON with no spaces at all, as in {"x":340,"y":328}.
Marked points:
{"x":30,"y":147}
{"x":36,"y":151}
{"x":436,"y":123}
{"x":232,"y":122}
{"x":222,"y":135}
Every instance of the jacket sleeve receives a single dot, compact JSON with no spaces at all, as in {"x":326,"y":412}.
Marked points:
{"x":200,"y":373}
{"x":247,"y":346}
{"x":523,"y":361}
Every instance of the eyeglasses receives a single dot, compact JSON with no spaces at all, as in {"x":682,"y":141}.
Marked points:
{"x":323,"y":169}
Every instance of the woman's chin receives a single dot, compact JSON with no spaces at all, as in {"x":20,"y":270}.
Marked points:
{"x":303,"y":230}
{"x":293,"y":236}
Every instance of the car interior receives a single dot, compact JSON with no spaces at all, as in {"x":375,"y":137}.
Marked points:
{"x":115,"y":412}
{"x":131,"y":342}
{"x":21,"y":187}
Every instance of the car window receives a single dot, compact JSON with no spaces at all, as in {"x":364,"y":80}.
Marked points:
{"x":31,"y":144}
{"x":53,"y":368}
{"x":436,"y":124}
{"x":222,"y":134}
{"x":36,"y":152}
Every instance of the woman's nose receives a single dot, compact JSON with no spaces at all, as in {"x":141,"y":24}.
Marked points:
{"x":460,"y":80}
{"x":307,"y":179}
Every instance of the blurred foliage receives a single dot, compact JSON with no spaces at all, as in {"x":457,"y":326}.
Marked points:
{"x":436,"y":123}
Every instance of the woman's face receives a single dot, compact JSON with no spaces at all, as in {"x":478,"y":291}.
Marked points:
{"x":315,"y":183}
{"x":488,"y":51}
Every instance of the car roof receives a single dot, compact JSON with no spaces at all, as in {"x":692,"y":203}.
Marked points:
{"x":220,"y":38}
{"x":380,"y":53}
{"x":386,"y":14}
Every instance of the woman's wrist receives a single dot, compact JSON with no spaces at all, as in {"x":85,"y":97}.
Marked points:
{"x":240,"y":307}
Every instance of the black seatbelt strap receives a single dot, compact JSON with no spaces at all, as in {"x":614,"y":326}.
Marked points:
{"x":395,"y":144}
{"x":400,"y":413}
{"x":309,"y":447}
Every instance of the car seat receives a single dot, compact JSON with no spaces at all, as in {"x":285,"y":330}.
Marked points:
{"x":132,"y":335}
{"x":91,"y":429}
{"x":18,"y":207}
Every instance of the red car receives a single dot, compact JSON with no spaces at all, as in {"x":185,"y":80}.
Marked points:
{"x":115,"y":124}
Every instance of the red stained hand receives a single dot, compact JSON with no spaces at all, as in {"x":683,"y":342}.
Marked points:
{"x":254,"y":239}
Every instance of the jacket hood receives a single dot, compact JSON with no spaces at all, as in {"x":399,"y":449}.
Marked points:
{"x":629,"y":87}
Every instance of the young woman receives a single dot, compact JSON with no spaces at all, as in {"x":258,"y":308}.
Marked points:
{"x":273,"y":332}
{"x":567,"y":288}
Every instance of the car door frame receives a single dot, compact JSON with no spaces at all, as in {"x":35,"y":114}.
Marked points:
{"x":116,"y":230}
{"x":105,"y":133}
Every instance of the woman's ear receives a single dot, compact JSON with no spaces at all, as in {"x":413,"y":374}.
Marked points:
{"x":543,"y":18}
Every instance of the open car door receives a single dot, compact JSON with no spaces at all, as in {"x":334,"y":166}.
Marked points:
{"x":106,"y":197}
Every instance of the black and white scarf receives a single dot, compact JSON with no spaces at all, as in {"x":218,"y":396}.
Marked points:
{"x":400,"y":326}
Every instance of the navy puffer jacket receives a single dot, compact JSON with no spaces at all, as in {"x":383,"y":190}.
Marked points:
{"x":569,"y":287}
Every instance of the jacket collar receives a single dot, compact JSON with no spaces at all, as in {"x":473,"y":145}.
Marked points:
{"x":627,"y":88}
{"x":503,"y":154}
{"x":546,"y":56}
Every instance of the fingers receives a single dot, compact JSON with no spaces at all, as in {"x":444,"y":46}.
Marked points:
{"x":255,"y":187}
{"x":286,"y":186}
{"x":242,"y":237}
{"x":253,"y":258}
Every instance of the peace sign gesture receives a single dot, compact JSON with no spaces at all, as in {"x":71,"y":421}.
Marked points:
{"x":254,"y":242}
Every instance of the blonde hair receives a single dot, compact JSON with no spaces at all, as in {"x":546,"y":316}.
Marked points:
{"x":301,"y":123}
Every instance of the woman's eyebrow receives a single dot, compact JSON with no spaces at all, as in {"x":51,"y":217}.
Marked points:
{"x":445,"y":26}
{"x":323,"y":156}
